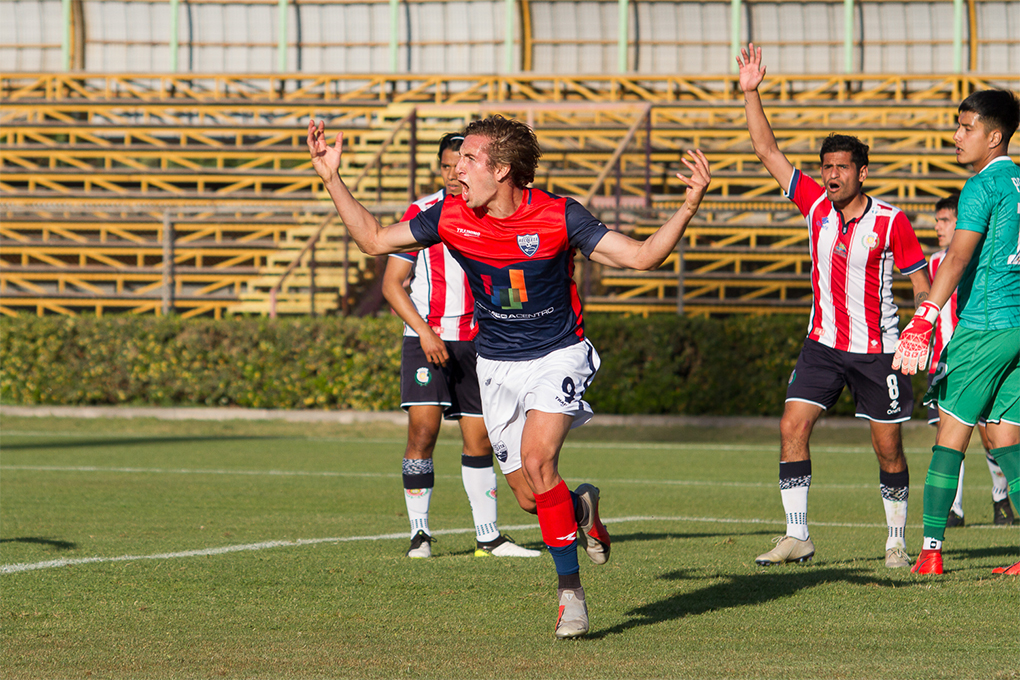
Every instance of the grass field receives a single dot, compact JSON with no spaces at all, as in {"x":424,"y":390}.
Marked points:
{"x":155,"y":549}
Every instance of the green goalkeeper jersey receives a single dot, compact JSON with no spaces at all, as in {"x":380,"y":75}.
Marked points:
{"x":989,"y":291}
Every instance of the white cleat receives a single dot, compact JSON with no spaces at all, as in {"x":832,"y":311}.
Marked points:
{"x":573,"y":618}
{"x":503,"y":546}
{"x":421,"y":545}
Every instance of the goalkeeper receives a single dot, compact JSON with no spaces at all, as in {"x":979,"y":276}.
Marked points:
{"x":982,"y":378}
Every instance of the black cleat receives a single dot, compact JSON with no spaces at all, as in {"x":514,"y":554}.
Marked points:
{"x":1002,"y":513}
{"x":954,"y":520}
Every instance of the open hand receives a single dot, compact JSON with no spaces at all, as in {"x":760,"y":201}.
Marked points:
{"x":697,"y":183}
{"x":325,"y":158}
{"x":752,"y":71}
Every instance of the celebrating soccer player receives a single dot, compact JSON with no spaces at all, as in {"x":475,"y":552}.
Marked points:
{"x":982,"y":376}
{"x":852,"y":332}
{"x":534,"y":363}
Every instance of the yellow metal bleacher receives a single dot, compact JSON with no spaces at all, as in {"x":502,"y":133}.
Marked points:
{"x":92,"y":167}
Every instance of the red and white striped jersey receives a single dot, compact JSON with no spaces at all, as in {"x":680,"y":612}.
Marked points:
{"x":946,"y":323}
{"x":439,"y":287}
{"x":852,"y":267}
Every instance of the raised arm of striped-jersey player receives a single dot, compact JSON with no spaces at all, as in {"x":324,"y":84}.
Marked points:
{"x":618,"y":250}
{"x":752,"y":72}
{"x":372,"y":238}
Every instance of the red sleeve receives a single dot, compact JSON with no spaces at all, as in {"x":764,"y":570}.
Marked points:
{"x":803,"y":191}
{"x":412,"y":210}
{"x":907,"y":253}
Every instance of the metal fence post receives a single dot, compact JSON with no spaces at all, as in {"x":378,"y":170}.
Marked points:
{"x":168,"y":265}
{"x":680,"y":277}
{"x":311,"y":279}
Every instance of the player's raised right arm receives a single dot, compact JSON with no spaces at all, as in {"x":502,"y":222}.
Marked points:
{"x":752,"y":73}
{"x":372,"y":238}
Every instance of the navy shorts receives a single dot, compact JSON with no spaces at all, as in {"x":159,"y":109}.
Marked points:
{"x":454,"y":386}
{"x":880,"y":393}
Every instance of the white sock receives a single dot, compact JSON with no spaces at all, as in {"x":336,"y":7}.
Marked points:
{"x":794,"y":483}
{"x":895,"y":490}
{"x":417,"y":501}
{"x":418,"y":473}
{"x":1000,"y":487}
{"x":930,"y":543}
{"x":958,"y":501}
{"x":480,"y":485}
{"x":896,"y":519}
{"x":795,"y":505}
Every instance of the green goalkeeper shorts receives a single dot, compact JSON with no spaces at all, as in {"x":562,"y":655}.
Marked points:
{"x":979,"y":376}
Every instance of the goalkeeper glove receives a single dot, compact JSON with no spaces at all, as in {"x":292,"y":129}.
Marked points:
{"x":912,"y":349}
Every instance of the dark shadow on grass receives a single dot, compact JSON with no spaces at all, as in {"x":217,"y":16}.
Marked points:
{"x":38,"y":540}
{"x":84,"y":442}
{"x":738,"y":591}
{"x":1003,"y":551}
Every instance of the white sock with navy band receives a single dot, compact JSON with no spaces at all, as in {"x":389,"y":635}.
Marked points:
{"x":895,"y":489}
{"x":479,"y":479}
{"x":419,"y":478}
{"x":794,"y":483}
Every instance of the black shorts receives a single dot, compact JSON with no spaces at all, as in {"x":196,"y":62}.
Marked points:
{"x":454,"y":386}
{"x":880,"y":393}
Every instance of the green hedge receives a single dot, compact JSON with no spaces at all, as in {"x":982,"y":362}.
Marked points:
{"x":658,"y":365}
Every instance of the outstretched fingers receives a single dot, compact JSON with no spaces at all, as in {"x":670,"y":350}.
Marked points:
{"x":700,"y":177}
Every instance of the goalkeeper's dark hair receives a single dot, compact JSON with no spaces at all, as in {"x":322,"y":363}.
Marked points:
{"x":996,"y":109}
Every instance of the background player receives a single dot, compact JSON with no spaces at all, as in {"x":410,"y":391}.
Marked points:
{"x":855,"y":240}
{"x":438,"y":379}
{"x":517,"y":246}
{"x":1002,"y":512}
{"x":982,"y":359}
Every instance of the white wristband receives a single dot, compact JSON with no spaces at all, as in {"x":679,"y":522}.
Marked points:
{"x":929,"y":311}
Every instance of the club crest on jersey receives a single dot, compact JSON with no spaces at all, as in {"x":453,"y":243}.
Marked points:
{"x":500,"y":449}
{"x":528,"y":243}
{"x":423,"y":376}
{"x":870,"y":240}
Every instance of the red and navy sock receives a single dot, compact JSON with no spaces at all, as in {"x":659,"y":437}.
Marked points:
{"x":559,"y":531}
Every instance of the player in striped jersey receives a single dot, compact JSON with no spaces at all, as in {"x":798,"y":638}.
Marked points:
{"x":1002,"y":511}
{"x":855,"y":240}
{"x":438,"y":377}
{"x":982,"y":264}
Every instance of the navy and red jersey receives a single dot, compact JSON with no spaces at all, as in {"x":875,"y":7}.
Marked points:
{"x":520,"y":269}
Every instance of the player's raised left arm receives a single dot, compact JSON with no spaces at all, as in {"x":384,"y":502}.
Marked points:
{"x":618,"y":250}
{"x":372,"y":238}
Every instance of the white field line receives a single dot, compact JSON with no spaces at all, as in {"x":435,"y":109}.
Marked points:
{"x":268,"y":545}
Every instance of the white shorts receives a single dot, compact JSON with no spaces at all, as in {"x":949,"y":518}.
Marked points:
{"x":554,"y":383}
